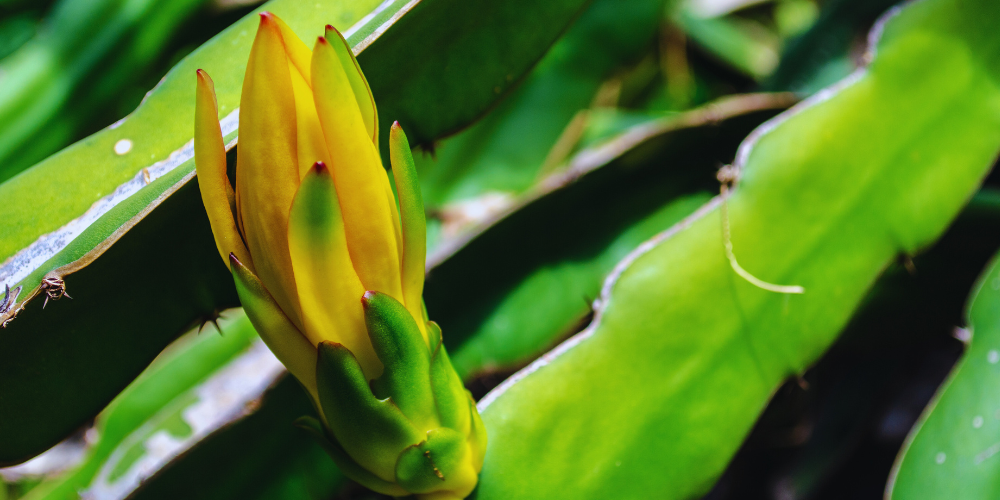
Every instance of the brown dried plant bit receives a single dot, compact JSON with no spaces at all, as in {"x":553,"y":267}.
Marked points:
{"x":54,"y":288}
{"x":9,"y":299}
{"x":728,"y":175}
{"x":437,"y":472}
{"x":5,"y":304}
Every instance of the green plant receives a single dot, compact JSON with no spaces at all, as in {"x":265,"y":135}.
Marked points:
{"x":582,"y":265}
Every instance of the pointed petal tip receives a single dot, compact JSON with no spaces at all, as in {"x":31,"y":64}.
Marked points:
{"x":320,"y":168}
{"x":270,"y":21}
{"x":321,"y":40}
{"x":233,"y":260}
{"x":396,"y":125}
{"x":368,"y":297}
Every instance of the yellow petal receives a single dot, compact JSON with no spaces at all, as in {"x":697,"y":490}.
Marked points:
{"x":414,"y":238}
{"x":210,"y":161}
{"x":394,"y":215}
{"x":359,"y":84}
{"x":357,"y":170}
{"x":311,"y":143}
{"x":267,"y":173}
{"x":297,"y":51}
{"x":329,"y":289}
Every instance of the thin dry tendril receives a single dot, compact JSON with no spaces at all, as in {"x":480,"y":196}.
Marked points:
{"x":727,"y":175}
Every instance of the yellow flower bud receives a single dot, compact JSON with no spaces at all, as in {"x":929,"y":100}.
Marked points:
{"x":314,"y":237}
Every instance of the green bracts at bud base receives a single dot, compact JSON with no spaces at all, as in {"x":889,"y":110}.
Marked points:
{"x":405,"y":428}
{"x":330,"y":269}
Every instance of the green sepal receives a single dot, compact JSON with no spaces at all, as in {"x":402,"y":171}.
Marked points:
{"x":449,"y":394}
{"x":344,"y":462}
{"x":401,"y":348}
{"x":413,"y":219}
{"x":373,"y":431}
{"x":287,"y":343}
{"x":439,"y":464}
{"x":477,"y":434}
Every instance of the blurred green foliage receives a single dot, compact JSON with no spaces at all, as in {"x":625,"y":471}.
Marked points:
{"x":85,"y":64}
{"x":613,"y":137}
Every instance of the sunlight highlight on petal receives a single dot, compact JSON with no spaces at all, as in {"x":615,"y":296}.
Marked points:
{"x":359,"y":176}
{"x":359,"y":84}
{"x":267,"y":173}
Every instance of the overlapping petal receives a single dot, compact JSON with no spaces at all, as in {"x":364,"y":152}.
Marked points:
{"x":359,"y":84}
{"x":311,"y":143}
{"x":329,"y":289}
{"x":281,"y":336}
{"x":297,"y":51}
{"x":360,"y":179}
{"x":267,"y":171}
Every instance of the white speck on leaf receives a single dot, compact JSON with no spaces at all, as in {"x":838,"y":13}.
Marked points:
{"x":993,"y":356}
{"x":123,"y":146}
{"x":940,"y":458}
{"x":977,"y":422}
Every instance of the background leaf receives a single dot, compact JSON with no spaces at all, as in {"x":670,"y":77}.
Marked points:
{"x":263,"y":456}
{"x":546,"y":258}
{"x":685,"y":351}
{"x":829,"y":50}
{"x":159,"y":401}
{"x":952,"y":449}
{"x":509,"y":149}
{"x":835,"y":432}
{"x":446,"y":62}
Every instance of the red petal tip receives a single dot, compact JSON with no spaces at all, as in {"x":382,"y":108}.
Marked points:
{"x":266,"y":17}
